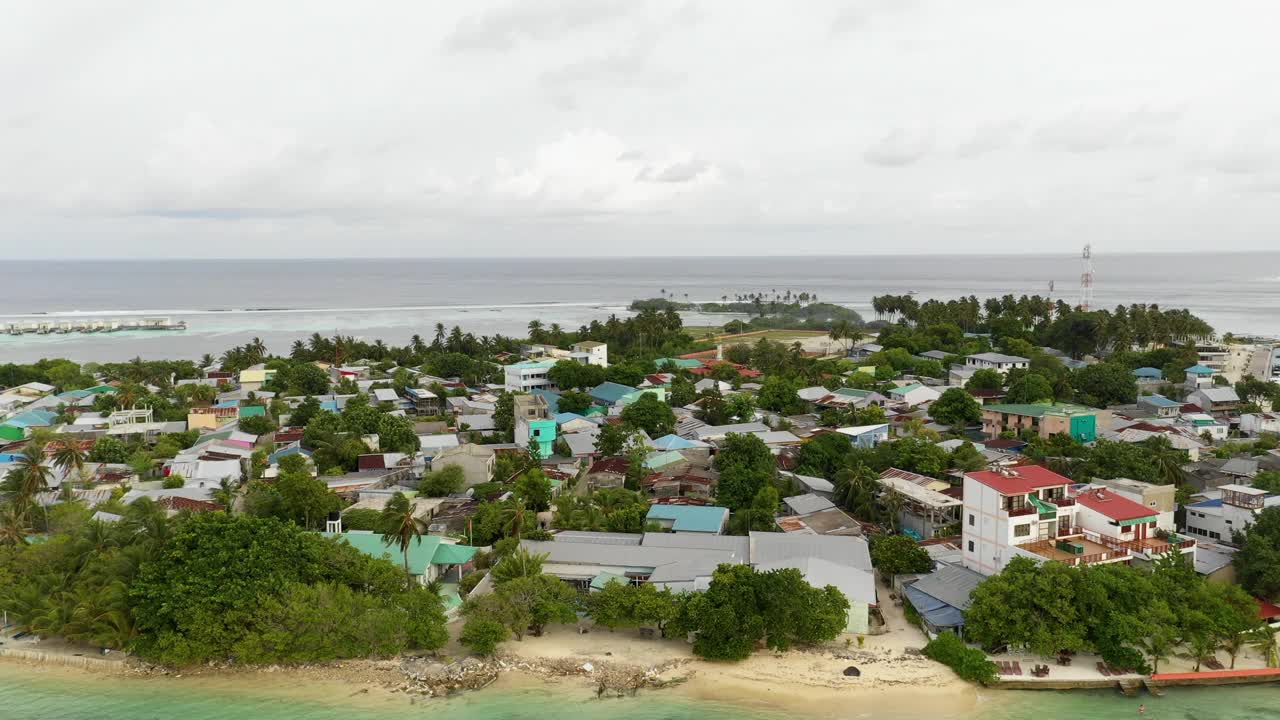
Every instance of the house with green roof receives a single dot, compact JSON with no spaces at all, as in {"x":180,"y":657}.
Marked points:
{"x":1045,"y":420}
{"x":689,"y":518}
{"x":682,"y":363}
{"x":430,"y":557}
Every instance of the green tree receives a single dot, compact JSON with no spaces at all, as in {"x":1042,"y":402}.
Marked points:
{"x":969,"y":663}
{"x":535,"y":490}
{"x":898,"y":554}
{"x":955,"y":407}
{"x":1257,"y":562}
{"x":1030,"y":388}
{"x":985,"y":379}
{"x":650,"y":414}
{"x":574,"y":401}
{"x":443,"y":481}
{"x":517,"y":564}
{"x":481,"y":634}
{"x":745,"y":465}
{"x":107,"y":449}
{"x":744,"y":607}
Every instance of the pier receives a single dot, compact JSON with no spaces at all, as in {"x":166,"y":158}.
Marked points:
{"x":90,"y":325}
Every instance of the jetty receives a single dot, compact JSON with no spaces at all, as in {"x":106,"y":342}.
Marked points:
{"x":90,"y":325}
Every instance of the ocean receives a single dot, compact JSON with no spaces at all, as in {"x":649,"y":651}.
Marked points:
{"x":228,"y":302}
{"x":27,"y":694}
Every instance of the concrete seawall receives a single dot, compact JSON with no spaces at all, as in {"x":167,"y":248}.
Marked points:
{"x":87,"y":662}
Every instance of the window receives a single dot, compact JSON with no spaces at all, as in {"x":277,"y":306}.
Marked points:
{"x":971,"y":520}
{"x":970,"y":546}
{"x":1215,"y":536}
{"x":1021,"y":530}
{"x":1126,"y":529}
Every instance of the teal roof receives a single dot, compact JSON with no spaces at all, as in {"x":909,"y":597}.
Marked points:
{"x":906,"y":389}
{"x":253,"y":411}
{"x":32,"y":418}
{"x":610,"y":392}
{"x":1149,"y":372}
{"x":1041,"y":409}
{"x":663,"y":459}
{"x":1200,"y":370}
{"x":690,"y":518}
{"x":1159,"y":401}
{"x":534,"y":364}
{"x":851,"y":392}
{"x":678,"y":362}
{"x":675,"y":442}
{"x":74,"y":395}
{"x":552,"y":398}
{"x":423,"y":551}
{"x":274,"y":457}
{"x":100,"y":389}
{"x":599,"y":581}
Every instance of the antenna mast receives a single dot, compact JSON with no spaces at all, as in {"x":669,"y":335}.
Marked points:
{"x":1086,"y":279}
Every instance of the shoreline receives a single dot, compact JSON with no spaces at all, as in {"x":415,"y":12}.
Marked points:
{"x":807,"y":683}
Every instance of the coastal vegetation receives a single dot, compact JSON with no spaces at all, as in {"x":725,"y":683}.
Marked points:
{"x":1133,"y":618}
{"x":212,"y":587}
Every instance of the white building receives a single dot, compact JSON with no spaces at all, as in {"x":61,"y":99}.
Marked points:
{"x":1027,"y":511}
{"x":996,"y":361}
{"x":1253,"y":424}
{"x":914,"y":394}
{"x":591,"y":352}
{"x":1235,"y":508}
{"x":528,"y":375}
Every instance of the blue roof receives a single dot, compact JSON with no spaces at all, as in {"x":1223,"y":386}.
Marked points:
{"x":610,"y":392}
{"x":1149,"y":372}
{"x":1207,"y":503}
{"x":562,"y":418}
{"x":274,"y":457}
{"x":1160,"y":401}
{"x":74,"y":395}
{"x":663,"y":459}
{"x":1200,"y":370}
{"x":330,"y":405}
{"x":32,"y":418}
{"x":675,"y":442}
{"x":690,"y":518}
{"x":552,"y":398}
{"x":227,"y":404}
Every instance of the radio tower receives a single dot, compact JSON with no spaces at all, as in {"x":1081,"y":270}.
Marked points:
{"x":1086,"y":279}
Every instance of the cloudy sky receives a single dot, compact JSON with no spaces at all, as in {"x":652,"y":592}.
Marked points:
{"x":622,"y":127}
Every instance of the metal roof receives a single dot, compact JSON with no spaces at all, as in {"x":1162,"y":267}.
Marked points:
{"x":952,"y":584}
{"x":807,"y":503}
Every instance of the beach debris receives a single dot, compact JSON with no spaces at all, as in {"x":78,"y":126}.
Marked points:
{"x":852,"y":671}
{"x":588,"y":667}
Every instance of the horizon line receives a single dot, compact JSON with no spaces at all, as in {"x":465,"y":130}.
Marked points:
{"x":546,"y":258}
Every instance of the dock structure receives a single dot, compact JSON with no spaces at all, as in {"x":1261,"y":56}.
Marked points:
{"x":90,"y":325}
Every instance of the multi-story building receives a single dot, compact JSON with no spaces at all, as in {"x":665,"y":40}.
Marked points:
{"x":1046,"y":419}
{"x":591,"y":352}
{"x":533,"y":424}
{"x":1212,"y":355}
{"x":528,"y":375}
{"x":1031,"y":511}
{"x":1197,"y":377}
{"x":1235,"y":508}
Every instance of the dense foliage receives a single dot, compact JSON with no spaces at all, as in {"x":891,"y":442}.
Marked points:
{"x":744,"y":608}
{"x":969,"y":663}
{"x":1258,"y":561}
{"x":1130,"y":616}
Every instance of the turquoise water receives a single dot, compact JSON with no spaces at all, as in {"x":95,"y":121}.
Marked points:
{"x":27,"y":695}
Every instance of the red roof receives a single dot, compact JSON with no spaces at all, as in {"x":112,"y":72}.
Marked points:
{"x":616,"y":465}
{"x":1107,"y":503}
{"x":1266,"y":610}
{"x":1019,"y":481}
{"x":177,"y":502}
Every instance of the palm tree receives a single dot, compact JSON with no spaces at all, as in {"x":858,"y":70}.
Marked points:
{"x":33,"y":476}
{"x":892,"y":502}
{"x":1233,"y":643}
{"x":1263,"y":639}
{"x":401,"y":528}
{"x":69,"y":456}
{"x":514,"y":515}
{"x":225,"y":495}
{"x":855,"y":491}
{"x":13,"y":526}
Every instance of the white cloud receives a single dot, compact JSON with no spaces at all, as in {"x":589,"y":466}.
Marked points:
{"x":345,"y":131}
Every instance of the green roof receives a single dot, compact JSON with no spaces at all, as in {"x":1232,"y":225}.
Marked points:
{"x":9,"y":432}
{"x":678,"y":362}
{"x":100,"y":389}
{"x":423,"y":551}
{"x":253,"y":411}
{"x":599,"y":581}
{"x":1041,"y":409}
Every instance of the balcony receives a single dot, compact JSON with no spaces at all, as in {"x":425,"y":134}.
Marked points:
{"x":1093,"y":552}
{"x":1061,"y":501}
{"x":1020,"y":511}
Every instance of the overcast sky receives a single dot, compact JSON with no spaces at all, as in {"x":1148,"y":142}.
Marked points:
{"x":622,"y":127}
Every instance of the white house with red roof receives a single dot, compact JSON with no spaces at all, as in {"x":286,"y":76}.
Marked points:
{"x":1031,"y":511}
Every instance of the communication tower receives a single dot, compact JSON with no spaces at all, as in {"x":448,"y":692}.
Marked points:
{"x":1086,"y":279}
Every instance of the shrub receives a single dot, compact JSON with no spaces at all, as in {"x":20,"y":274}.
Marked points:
{"x":969,"y":663}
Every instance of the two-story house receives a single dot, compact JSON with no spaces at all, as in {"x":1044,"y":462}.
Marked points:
{"x":1025,"y":511}
{"x":1046,"y":420}
{"x":528,"y":375}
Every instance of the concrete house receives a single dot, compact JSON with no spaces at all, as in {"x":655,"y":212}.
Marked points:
{"x":999,"y":362}
{"x":477,"y":462}
{"x":1215,"y":399}
{"x":1254,"y":424}
{"x":914,"y":394}
{"x":1046,"y":420}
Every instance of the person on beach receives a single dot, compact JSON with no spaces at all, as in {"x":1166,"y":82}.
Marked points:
{"x":1142,"y":709}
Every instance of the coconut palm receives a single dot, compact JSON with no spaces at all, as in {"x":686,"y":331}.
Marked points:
{"x":33,"y":477}
{"x":14,"y":528}
{"x":401,"y":527}
{"x":1263,"y":639}
{"x":514,"y":516}
{"x":855,"y":491}
{"x":892,"y":502}
{"x":70,"y":457}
